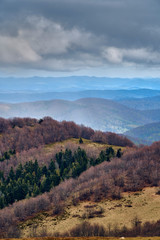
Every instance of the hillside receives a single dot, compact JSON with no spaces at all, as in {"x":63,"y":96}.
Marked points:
{"x":136,"y":169}
{"x":100,"y":114}
{"x":37,"y":171}
{"x":148,"y":133}
{"x":38,"y":155}
{"x":154,"y":114}
{"x":57,"y":178}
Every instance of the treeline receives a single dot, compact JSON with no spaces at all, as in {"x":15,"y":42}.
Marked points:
{"x":85,"y":229}
{"x":136,"y":169}
{"x":20,"y":134}
{"x":31,"y":180}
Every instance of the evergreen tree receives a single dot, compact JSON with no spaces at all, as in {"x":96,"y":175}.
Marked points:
{"x":36,"y":190}
{"x":119,"y":153}
{"x":80,"y":140}
{"x":11,"y":175}
{"x":52,"y":167}
{"x":59,"y":158}
{"x":110,"y":153}
{"x":2,"y":201}
{"x":19,"y":171}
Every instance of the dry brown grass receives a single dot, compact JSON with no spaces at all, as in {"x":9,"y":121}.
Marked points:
{"x":92,"y":148}
{"x":110,"y":213}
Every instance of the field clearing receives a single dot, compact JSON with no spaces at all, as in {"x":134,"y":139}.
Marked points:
{"x":73,"y":143}
{"x":144,"y":205}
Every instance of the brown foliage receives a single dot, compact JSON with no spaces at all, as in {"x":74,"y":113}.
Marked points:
{"x":114,"y":139}
{"x":99,"y":137}
{"x":24,"y":133}
{"x":87,"y":230}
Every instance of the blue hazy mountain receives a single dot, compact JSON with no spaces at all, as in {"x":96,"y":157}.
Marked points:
{"x":72,"y":88}
{"x":147,"y":103}
{"x":130,"y":98}
{"x":74,"y":83}
{"x":100,"y":114}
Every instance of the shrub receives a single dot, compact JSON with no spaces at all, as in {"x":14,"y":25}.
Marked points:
{"x":85,"y":229}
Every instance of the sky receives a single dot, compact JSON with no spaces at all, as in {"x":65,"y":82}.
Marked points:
{"x":113,"y":38}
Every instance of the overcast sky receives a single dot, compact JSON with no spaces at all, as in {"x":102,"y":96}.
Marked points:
{"x":80,"y":37}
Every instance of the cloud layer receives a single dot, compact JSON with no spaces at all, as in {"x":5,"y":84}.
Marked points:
{"x":73,"y":35}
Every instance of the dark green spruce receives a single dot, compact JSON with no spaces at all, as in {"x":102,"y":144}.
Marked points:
{"x":31,"y":179}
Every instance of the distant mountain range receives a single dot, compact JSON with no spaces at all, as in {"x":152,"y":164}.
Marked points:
{"x":118,"y":104}
{"x":137,"y":98}
{"x":100,"y":114}
{"x":75,"y":83}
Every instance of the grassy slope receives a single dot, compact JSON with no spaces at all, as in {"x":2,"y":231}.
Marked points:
{"x":87,"y":144}
{"x":145,"y":205}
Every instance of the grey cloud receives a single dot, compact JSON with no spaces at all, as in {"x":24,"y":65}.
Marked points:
{"x":16,"y":50}
{"x":46,"y":44}
{"x":48,"y":37}
{"x":68,"y":35}
{"x":134,"y":56}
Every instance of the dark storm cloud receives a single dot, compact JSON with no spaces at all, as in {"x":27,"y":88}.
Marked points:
{"x":67,"y":35}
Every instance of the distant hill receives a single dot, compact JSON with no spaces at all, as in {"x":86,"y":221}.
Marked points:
{"x":146,"y":103}
{"x":130,"y":96}
{"x":148,"y":133}
{"x":154,"y":114}
{"x":100,"y":114}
